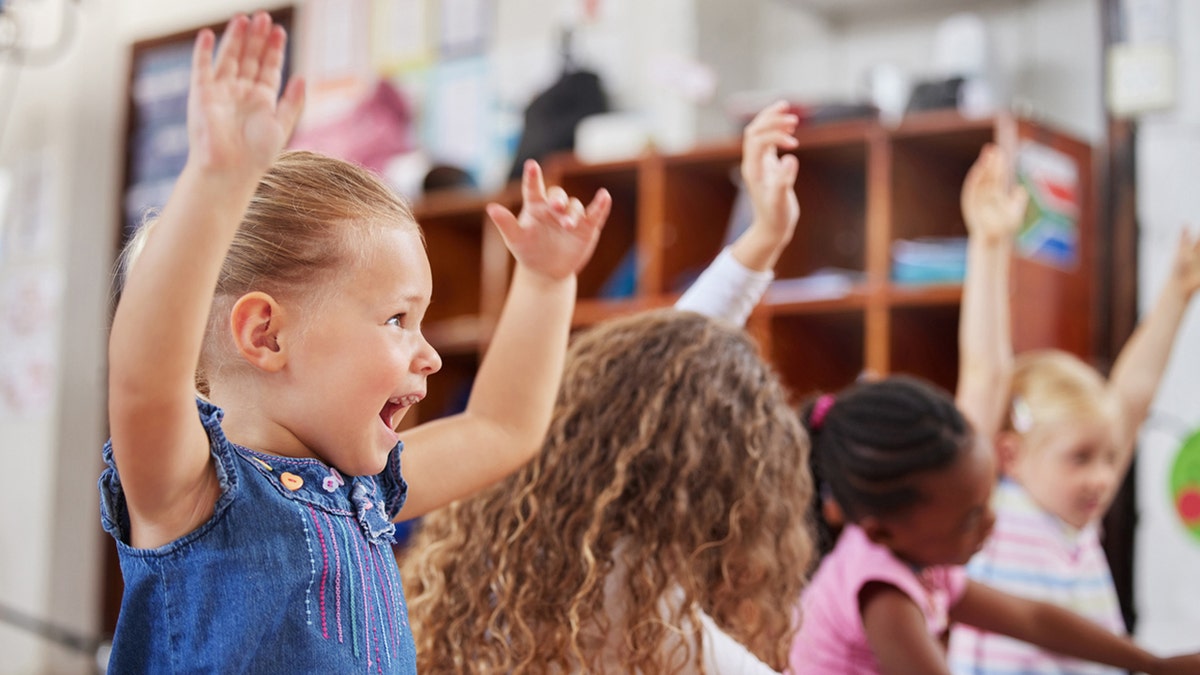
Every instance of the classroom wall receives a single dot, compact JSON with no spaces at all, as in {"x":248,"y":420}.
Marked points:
{"x":47,"y":534}
{"x":67,"y":118}
{"x":1056,"y":80}
{"x":1167,"y":555}
{"x":71,"y":115}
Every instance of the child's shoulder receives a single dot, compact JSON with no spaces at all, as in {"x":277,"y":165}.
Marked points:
{"x":856,"y":561}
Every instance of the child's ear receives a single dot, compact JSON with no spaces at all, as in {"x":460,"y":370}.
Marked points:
{"x":876,"y":530}
{"x":256,"y":321}
{"x":1008,"y":451}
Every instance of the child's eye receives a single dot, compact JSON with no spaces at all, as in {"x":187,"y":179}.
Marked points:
{"x":397,"y":320}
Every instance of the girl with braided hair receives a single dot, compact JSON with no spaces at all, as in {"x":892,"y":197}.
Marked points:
{"x":912,"y":482}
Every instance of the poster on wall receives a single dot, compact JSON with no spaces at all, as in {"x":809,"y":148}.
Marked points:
{"x":1185,"y":485}
{"x":157,"y":144}
{"x":1050,"y":233}
{"x":400,"y":31}
{"x":29,"y":330}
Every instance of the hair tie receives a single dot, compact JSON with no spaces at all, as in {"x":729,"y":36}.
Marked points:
{"x":1022,"y":416}
{"x":820,"y":409}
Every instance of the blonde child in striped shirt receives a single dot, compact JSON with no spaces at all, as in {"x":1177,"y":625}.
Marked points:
{"x":1063,"y":434}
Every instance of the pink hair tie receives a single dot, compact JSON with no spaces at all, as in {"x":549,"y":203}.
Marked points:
{"x":820,"y":409}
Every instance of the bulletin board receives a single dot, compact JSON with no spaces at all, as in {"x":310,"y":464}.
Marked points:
{"x":156,"y":114}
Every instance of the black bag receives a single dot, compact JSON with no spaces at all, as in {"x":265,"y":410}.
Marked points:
{"x":552,"y":116}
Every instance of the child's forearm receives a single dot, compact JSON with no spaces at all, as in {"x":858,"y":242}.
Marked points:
{"x":161,"y":318}
{"x":758,"y":249}
{"x":1140,"y":365}
{"x":985,"y":335}
{"x":1067,"y":633}
{"x":518,"y":380}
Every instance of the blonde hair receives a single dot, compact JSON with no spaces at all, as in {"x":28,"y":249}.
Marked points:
{"x":673,"y":456}
{"x":309,"y":216}
{"x":1052,"y":386}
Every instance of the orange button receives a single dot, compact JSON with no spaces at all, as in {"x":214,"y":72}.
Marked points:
{"x":291,"y":481}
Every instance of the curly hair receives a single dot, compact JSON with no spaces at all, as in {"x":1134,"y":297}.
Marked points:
{"x":673,"y":481}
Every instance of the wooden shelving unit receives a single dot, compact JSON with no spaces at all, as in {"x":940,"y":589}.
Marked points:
{"x":861,"y":187}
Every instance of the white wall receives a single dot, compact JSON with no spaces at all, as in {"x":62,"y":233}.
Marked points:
{"x":1048,"y":77}
{"x":47,"y":511}
{"x":70,"y":115}
{"x":1167,"y":557}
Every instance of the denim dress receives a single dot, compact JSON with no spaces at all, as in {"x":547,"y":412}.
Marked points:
{"x":293,"y":573}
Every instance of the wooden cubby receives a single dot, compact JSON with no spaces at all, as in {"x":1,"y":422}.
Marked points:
{"x":861,"y":187}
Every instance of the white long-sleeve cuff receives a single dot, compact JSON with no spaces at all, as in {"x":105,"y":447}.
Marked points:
{"x":726,"y":290}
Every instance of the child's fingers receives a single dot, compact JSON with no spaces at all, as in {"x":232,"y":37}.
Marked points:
{"x":272,"y":61}
{"x":256,"y":41}
{"x":557,"y":198}
{"x":767,"y":114}
{"x":202,"y":58}
{"x":505,"y":221}
{"x":760,"y":145}
{"x":979,"y":171}
{"x":597,"y":210}
{"x":789,"y":169}
{"x":230,"y":50}
{"x":533,"y":185}
{"x":1018,"y":200}
{"x":290,"y":105}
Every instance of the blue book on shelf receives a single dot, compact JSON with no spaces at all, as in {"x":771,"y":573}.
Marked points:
{"x":622,"y":283}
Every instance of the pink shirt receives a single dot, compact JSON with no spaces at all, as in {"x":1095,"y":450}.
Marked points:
{"x":831,"y":637}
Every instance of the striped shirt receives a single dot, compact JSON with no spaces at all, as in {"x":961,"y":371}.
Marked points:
{"x":1034,"y":554}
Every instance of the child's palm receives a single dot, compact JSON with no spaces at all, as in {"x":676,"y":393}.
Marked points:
{"x":553,"y":235}
{"x":234,"y":121}
{"x":990,"y":207}
{"x":769,"y":178}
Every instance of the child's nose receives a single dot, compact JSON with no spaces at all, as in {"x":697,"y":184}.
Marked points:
{"x":1103,"y":477}
{"x":428,"y":361}
{"x":432,"y":360}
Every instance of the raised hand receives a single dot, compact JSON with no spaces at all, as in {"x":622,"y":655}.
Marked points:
{"x":769,"y":178}
{"x":554,"y":235}
{"x":992,"y":210}
{"x":1186,"y":272}
{"x":235,"y":122}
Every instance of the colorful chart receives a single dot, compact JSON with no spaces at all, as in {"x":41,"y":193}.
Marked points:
{"x":1185,"y":484}
{"x":1050,"y":233}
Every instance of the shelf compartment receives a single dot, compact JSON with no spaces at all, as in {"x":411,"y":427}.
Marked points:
{"x":832,"y":189}
{"x":454,"y":242}
{"x":815,"y":351}
{"x":924,"y":341}
{"x":931,"y":155}
{"x":615,"y":254}
{"x":924,"y":295}
{"x":687,"y":227}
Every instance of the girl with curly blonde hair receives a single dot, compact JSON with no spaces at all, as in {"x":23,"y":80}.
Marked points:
{"x":663,"y":520}
{"x":662,"y":528}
